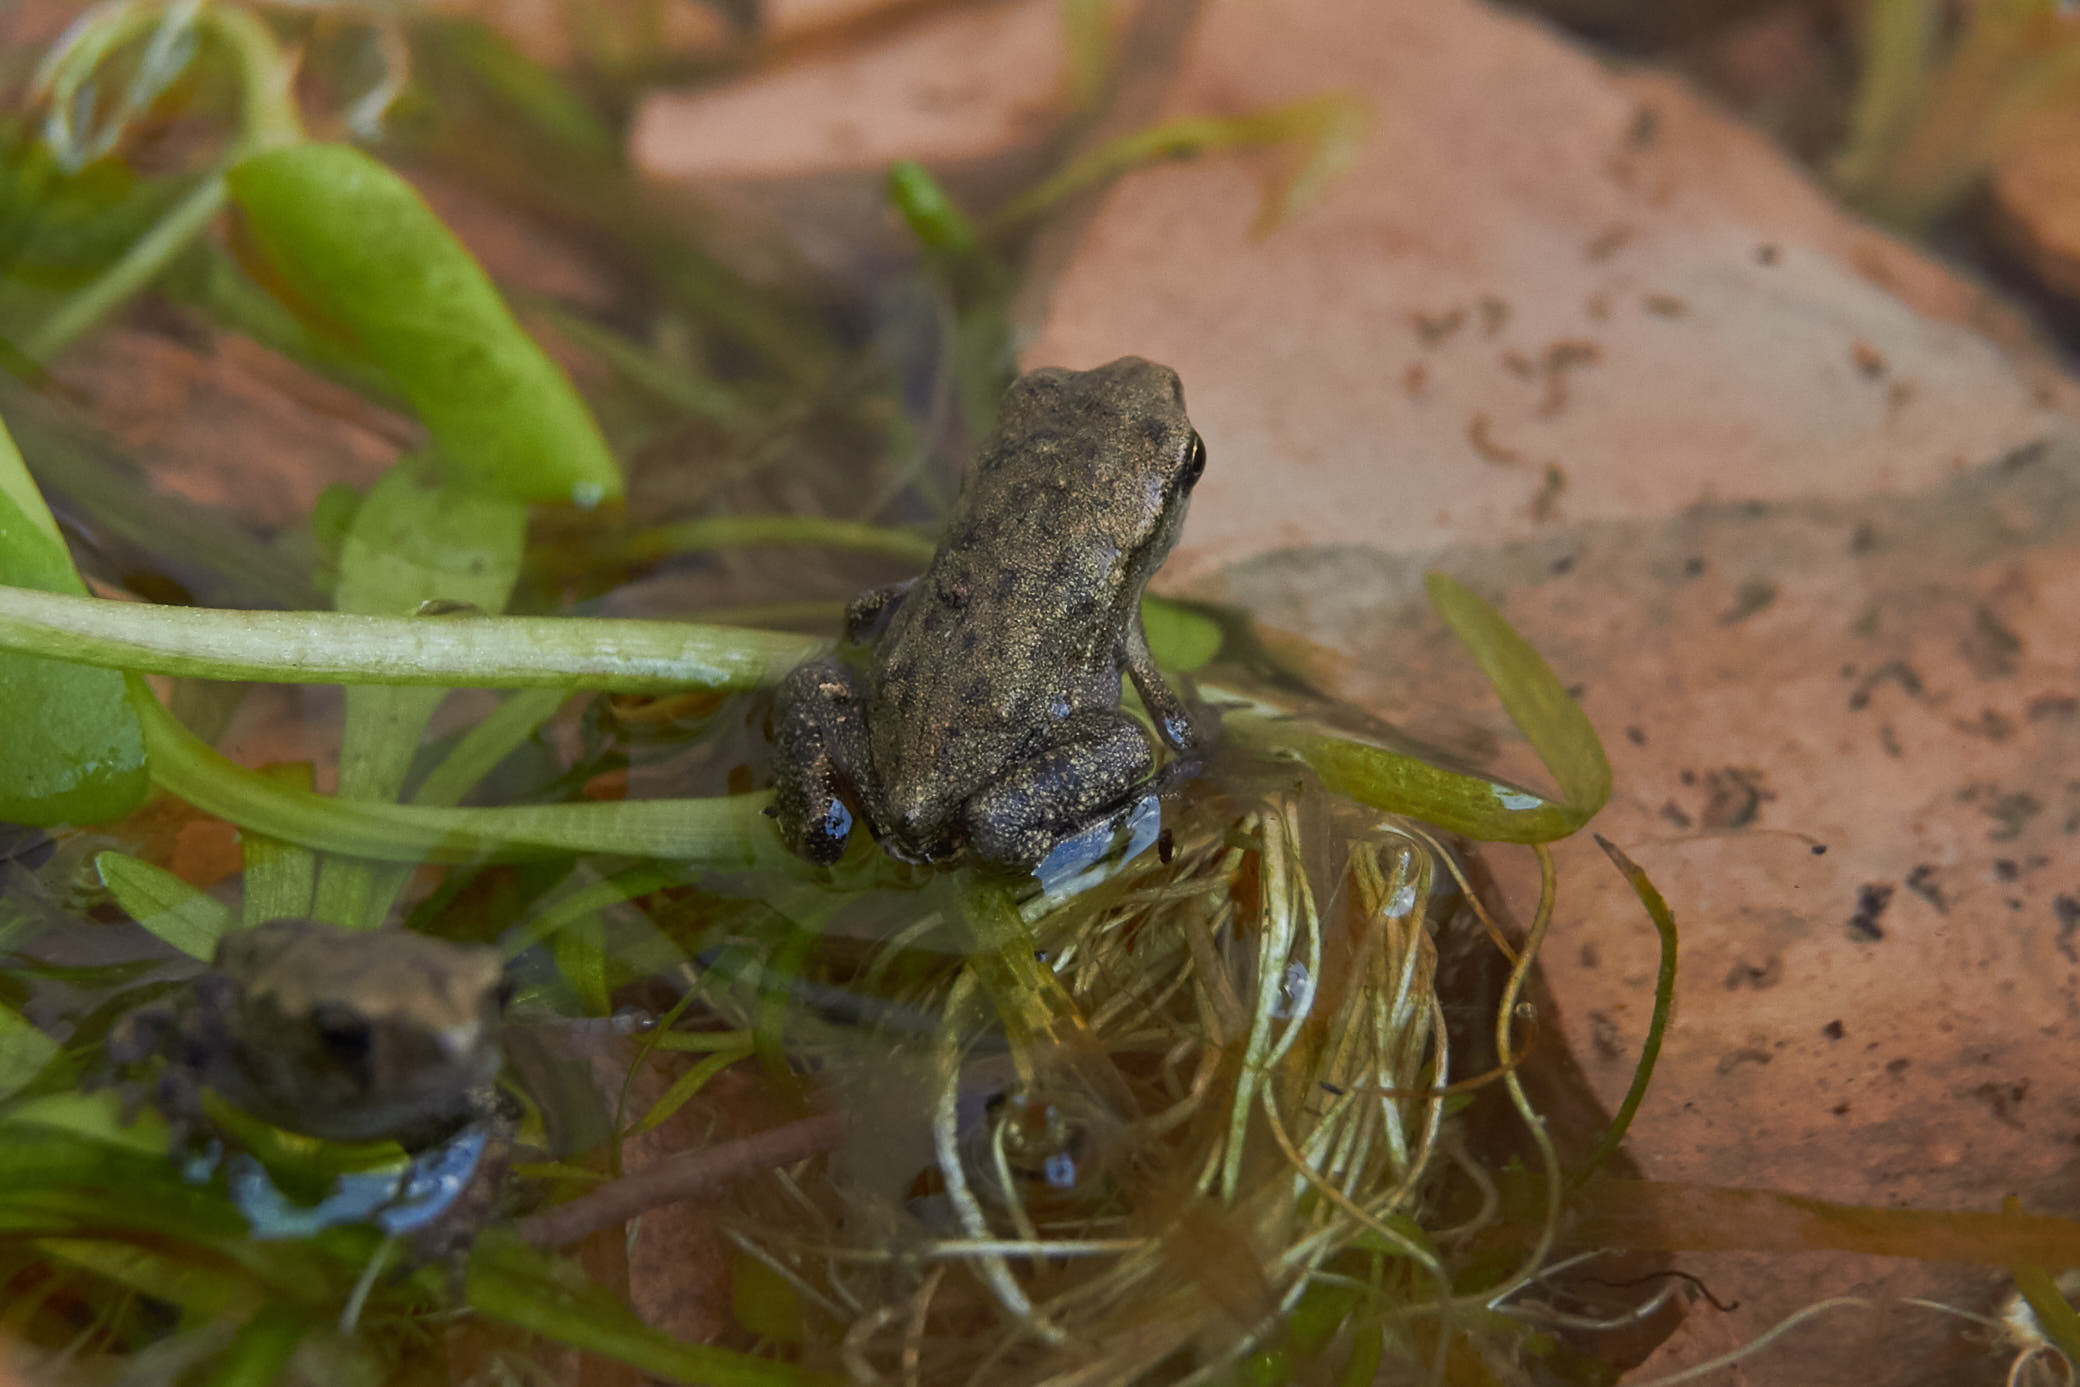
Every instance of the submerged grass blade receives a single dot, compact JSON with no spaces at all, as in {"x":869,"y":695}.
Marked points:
{"x":279,"y":877}
{"x":480,"y":749}
{"x":412,"y":541}
{"x":1671,"y":1216}
{"x":739,"y":531}
{"x":1898,"y":39}
{"x":164,"y":905}
{"x":24,"y":1050}
{"x":488,"y":652}
{"x":2055,"y":1314}
{"x":260,"y":1354}
{"x":1326,"y":128}
{"x":70,"y":748}
{"x":512,"y":1284}
{"x":1664,"y":1005}
{"x":730,"y":832}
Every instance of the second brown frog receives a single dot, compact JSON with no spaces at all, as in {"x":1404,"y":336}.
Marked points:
{"x":988,"y":716}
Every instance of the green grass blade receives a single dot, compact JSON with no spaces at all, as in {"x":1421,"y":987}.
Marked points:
{"x":24,"y":1051}
{"x":487,"y":652}
{"x":730,"y":832}
{"x":164,"y":904}
{"x":689,"y":1084}
{"x":2055,"y":1314}
{"x":280,"y":877}
{"x":1494,"y":811}
{"x":1898,"y":41}
{"x":1326,"y":130}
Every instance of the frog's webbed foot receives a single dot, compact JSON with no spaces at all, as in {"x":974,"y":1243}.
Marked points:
{"x":819,"y":748}
{"x":447,"y":1240}
{"x":868,"y":614}
{"x":1095,"y":762}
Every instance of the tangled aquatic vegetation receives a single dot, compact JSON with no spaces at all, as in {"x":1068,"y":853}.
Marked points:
{"x":1148,"y":1123}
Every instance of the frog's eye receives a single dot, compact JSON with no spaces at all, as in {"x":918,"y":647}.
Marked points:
{"x":1194,"y":461}
{"x":344,"y":1033}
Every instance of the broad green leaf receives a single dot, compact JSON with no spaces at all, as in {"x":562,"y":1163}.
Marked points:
{"x":1478,"y":806}
{"x":1492,"y":810}
{"x":1533,"y":696}
{"x":359,"y":250}
{"x":71,"y":750}
{"x":164,"y":904}
{"x":1180,"y":638}
{"x":24,"y":1051}
{"x":411,"y":542}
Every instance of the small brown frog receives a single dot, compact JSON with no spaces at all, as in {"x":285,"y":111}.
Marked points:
{"x":344,"y":1035}
{"x":349,"y":1036}
{"x":988,"y":717}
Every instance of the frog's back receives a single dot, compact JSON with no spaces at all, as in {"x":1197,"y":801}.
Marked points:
{"x":1005,"y":637}
{"x":1020,"y":620}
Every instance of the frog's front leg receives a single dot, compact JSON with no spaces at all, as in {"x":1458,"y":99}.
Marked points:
{"x":1091,"y":765}
{"x":868,"y":614}
{"x":447,"y":1239}
{"x":1173,"y":720}
{"x":819,"y":750}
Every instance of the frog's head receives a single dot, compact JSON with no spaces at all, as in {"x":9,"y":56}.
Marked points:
{"x":356,"y":1035}
{"x":1119,"y":434}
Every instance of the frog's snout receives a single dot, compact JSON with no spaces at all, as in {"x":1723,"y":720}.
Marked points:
{"x":460,"y":1041}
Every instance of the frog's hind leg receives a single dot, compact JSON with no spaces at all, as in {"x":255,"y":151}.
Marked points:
{"x":819,"y":748}
{"x":1091,"y":766}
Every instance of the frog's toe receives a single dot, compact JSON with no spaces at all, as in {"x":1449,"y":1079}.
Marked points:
{"x":819,"y":743}
{"x":822,"y":839}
